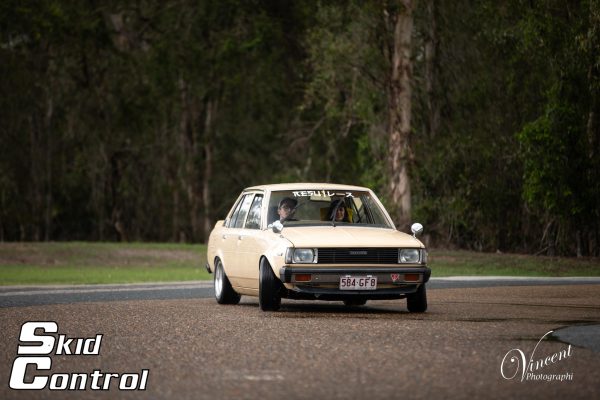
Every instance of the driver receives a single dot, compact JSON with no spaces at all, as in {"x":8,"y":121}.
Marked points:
{"x":286,"y":209}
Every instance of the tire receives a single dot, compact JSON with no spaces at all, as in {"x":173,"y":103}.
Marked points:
{"x":355,"y":302}
{"x":269,"y":287}
{"x":417,"y":302}
{"x":224,"y":293}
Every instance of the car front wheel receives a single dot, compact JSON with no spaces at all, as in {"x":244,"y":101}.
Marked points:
{"x":269,"y":297}
{"x":224,"y":293}
{"x":417,"y":302}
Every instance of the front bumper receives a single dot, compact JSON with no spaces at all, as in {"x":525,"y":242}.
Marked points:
{"x":393,"y":283}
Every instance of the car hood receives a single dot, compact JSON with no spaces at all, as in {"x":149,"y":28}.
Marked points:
{"x":329,"y":236}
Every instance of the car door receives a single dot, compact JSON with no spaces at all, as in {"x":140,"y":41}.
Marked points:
{"x":250,"y":245}
{"x":235,"y":231}
{"x":228,"y":240}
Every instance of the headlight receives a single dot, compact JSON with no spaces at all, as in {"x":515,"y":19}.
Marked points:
{"x":301,"y":256}
{"x":409,"y":256}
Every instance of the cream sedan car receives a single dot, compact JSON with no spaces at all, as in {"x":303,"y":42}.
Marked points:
{"x":314,"y":241}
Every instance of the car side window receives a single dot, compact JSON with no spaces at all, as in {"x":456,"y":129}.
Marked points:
{"x":243,"y":211}
{"x":253,"y":220}
{"x":234,"y":215}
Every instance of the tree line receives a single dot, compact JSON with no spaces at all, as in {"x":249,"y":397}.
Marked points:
{"x":143,"y":120}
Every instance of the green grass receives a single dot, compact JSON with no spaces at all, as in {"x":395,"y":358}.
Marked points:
{"x":453,"y":263}
{"x":94,"y":263}
{"x":36,"y":275}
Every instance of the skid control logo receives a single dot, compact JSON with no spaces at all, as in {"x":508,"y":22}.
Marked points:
{"x":34,"y":356}
{"x":515,"y":364}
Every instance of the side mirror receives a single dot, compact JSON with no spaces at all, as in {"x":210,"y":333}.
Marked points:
{"x":277,"y":226}
{"x":416,"y":229}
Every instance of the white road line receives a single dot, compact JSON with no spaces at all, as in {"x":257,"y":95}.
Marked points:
{"x":80,"y":289}
{"x":590,"y":279}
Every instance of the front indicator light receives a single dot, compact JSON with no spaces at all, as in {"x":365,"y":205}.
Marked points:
{"x":302,"y":277}
{"x":411,"y":277}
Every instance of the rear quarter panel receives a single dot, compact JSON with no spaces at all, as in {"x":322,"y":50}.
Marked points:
{"x":213,"y":251}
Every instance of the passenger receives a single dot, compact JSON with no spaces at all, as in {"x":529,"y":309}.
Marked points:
{"x":286,"y":209}
{"x":339,"y":208}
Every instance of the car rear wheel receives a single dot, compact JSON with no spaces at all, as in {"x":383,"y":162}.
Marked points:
{"x":417,"y":302}
{"x":355,"y":302}
{"x":224,"y":293}
{"x":269,"y":297}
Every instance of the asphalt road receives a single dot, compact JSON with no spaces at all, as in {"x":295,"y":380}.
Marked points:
{"x":196,"y":349}
{"x":21,"y":296}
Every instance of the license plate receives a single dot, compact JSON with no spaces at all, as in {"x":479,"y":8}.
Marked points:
{"x":358,"y":282}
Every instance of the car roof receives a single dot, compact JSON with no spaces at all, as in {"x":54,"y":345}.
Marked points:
{"x":306,"y":186}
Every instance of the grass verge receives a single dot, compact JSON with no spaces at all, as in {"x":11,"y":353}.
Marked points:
{"x":95,"y":263}
{"x":455,"y":263}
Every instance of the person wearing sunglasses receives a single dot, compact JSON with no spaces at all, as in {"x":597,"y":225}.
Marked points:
{"x":286,"y":209}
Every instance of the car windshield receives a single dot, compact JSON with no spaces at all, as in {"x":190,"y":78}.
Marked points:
{"x":326,"y":207}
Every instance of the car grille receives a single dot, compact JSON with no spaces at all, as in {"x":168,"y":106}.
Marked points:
{"x":358,"y":256}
